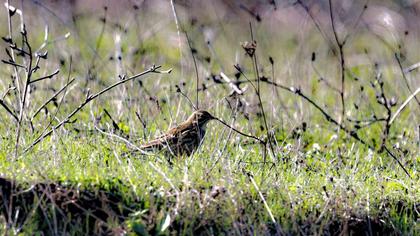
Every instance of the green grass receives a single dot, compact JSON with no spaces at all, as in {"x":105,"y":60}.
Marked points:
{"x":308,"y":186}
{"x":323,"y":181}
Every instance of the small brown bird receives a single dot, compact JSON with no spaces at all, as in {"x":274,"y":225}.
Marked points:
{"x":183,"y":139}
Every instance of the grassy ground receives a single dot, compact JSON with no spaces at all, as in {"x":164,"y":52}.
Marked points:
{"x":319,"y":180}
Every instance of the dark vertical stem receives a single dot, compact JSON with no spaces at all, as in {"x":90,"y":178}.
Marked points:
{"x":342,"y":64}
{"x":405,"y":77}
{"x":385,"y":132}
{"x":25,"y":90}
{"x":196,"y":70}
{"x":255,"y":62}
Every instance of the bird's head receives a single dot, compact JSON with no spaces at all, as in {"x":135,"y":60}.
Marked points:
{"x":201,"y":117}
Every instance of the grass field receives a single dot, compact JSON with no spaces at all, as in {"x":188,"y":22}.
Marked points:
{"x":325,"y":170}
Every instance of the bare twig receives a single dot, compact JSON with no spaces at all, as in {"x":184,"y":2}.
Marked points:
{"x":396,"y":159}
{"x":360,"y":124}
{"x":10,"y":9}
{"x":330,"y":118}
{"x":251,"y":178}
{"x":178,"y":30}
{"x":16,"y":81}
{"x":404,"y":105}
{"x":143,"y":123}
{"x":321,"y":78}
{"x":258,"y":92}
{"x":14,"y":64}
{"x":341,"y":58}
{"x":51,"y":98}
{"x":197,"y":79}
{"x":343,"y":128}
{"x":234,"y":113}
{"x":405,"y":77}
{"x":124,"y":140}
{"x":411,"y":68}
{"x":114,"y":123}
{"x":317,"y":25}
{"x":357,"y":21}
{"x":99,"y":39}
{"x":262,"y":197}
{"x":50,"y":76}
{"x":9,"y":89}
{"x":241,"y":133}
{"x":353,"y":134}
{"x":54,"y":116}
{"x":8,"y":109}
{"x":231,"y":84}
{"x":327,"y":116}
{"x":29,"y":71}
{"x":186,"y":97}
{"x":89,"y":98}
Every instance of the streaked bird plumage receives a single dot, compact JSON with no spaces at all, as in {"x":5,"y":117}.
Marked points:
{"x":183,"y":139}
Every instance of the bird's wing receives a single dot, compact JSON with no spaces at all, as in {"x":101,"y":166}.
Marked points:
{"x":175,"y":136}
{"x":160,"y":142}
{"x":155,"y":144}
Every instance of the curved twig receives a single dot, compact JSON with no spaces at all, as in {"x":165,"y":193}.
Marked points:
{"x":241,"y":133}
{"x":404,"y":105}
{"x":88,"y":99}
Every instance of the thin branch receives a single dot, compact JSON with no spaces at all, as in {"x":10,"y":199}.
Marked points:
{"x":186,"y":97}
{"x":196,"y":69}
{"x":353,"y":134}
{"x":330,"y":119}
{"x":114,"y":123}
{"x":231,"y":84}
{"x":358,"y":19}
{"x":16,"y":81}
{"x":396,"y":159}
{"x":387,"y":127}
{"x":50,"y":76}
{"x":258,"y":91}
{"x":342,"y":65}
{"x":241,"y":133}
{"x":321,"y":78}
{"x":234,"y":114}
{"x":365,"y":124}
{"x":10,"y":88}
{"x":404,"y":105}
{"x":262,"y":197}
{"x":405,"y":77}
{"x":99,"y":39}
{"x":279,"y":230}
{"x":22,"y":104}
{"x":144,"y":124}
{"x":51,"y":98}
{"x":7,"y":108}
{"x":61,"y":100}
{"x":412,"y":67}
{"x":13,"y":64}
{"x":12,"y":53}
{"x":19,"y":50}
{"x":124,"y":140}
{"x":153,"y":69}
{"x":317,"y":25}
{"x":246,"y":78}
{"x":88,"y":99}
{"x":178,"y":31}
